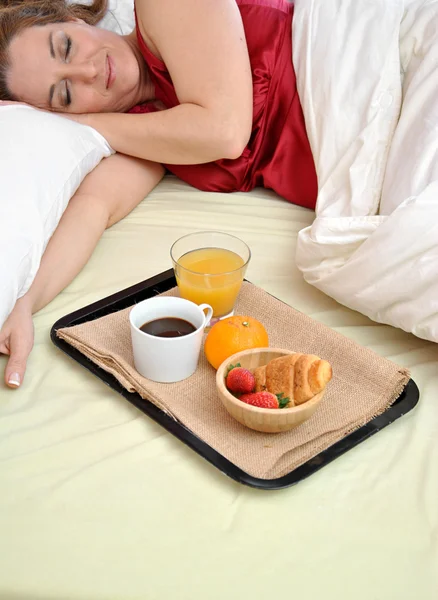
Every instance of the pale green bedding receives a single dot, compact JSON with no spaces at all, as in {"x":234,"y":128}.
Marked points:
{"x":99,"y":502}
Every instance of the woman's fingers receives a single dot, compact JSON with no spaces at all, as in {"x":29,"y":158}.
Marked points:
{"x":20,"y":346}
{"x":4,"y":348}
{"x":16,"y":340}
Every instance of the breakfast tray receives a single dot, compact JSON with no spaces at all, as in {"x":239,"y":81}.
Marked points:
{"x":162,"y":283}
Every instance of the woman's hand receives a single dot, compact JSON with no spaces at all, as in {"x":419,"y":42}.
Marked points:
{"x":16,"y":340}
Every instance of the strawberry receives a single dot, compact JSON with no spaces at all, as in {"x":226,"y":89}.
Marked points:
{"x":265,"y":400}
{"x":239,"y":380}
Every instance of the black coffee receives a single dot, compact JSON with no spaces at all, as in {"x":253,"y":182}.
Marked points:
{"x":168,"y":327}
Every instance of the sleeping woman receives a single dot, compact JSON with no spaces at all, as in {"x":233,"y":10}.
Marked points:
{"x":205,"y":89}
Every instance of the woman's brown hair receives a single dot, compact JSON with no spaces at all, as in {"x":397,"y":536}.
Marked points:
{"x":16,"y":15}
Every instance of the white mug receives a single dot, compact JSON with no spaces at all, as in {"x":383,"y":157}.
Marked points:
{"x":167,"y":359}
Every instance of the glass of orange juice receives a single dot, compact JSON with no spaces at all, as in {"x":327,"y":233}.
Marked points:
{"x":209,"y":268}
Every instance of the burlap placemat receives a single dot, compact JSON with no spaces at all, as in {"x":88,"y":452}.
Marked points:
{"x":363,"y":386}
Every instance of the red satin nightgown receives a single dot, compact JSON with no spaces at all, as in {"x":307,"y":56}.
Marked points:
{"x":278,"y":154}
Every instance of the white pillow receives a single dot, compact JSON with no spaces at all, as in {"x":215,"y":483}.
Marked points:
{"x":43,"y":159}
{"x":120,"y":17}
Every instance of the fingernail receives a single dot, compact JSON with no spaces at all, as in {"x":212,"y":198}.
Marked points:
{"x":14,"y":379}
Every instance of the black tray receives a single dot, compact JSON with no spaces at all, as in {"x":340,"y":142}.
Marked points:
{"x":158,"y":284}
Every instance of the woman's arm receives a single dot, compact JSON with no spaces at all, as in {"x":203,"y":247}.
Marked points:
{"x":202,"y":43}
{"x":105,"y":196}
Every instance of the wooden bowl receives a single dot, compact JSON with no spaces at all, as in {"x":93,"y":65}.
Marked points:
{"x":268,"y":420}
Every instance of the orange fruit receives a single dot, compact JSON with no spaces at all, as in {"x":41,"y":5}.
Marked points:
{"x":232,"y":335}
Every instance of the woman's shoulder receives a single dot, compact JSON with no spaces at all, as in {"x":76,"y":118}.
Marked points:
{"x":145,"y":41}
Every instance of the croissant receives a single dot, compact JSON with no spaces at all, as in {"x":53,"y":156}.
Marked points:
{"x":298,"y":377}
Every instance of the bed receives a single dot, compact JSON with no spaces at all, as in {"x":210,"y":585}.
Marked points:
{"x":98,"y":502}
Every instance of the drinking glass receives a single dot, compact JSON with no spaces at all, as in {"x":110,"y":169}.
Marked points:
{"x":209,"y":268}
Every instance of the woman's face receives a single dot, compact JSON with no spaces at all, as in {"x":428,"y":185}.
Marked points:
{"x":77,"y":68}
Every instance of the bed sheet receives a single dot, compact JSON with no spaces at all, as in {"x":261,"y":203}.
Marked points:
{"x":98,"y":502}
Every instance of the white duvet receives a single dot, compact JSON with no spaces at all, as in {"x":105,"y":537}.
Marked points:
{"x":367,"y":73}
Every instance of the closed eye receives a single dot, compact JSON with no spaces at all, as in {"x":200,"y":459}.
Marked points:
{"x":68,"y":47}
{"x":67,"y":97}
